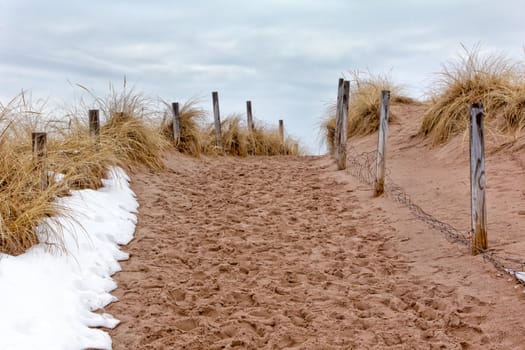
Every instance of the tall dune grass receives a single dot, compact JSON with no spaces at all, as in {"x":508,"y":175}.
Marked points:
{"x":128,"y":136}
{"x":363,"y":105}
{"x":132,"y":132}
{"x":23,"y":205}
{"x":234,"y":136}
{"x":364,"y":102}
{"x":237,"y":140}
{"x":513,"y":113}
{"x":191,"y":119}
{"x":262,"y":140}
{"x":198,"y":137}
{"x":129,"y":128}
{"x":495,"y":81}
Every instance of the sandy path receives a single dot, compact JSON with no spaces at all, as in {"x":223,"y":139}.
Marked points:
{"x":286,"y":253}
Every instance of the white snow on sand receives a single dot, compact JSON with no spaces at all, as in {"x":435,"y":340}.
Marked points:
{"x":47,"y":298}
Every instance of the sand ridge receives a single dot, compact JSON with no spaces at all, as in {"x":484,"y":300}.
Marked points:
{"x":287,"y":253}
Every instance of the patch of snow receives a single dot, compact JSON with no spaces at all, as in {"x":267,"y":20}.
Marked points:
{"x":47,"y":298}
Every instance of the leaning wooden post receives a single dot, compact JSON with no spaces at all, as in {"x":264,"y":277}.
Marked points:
{"x":477,"y":180}
{"x":249,"y":115}
{"x":379,"y":186}
{"x":176,"y":123}
{"x":39,"y":147}
{"x":338,"y":111}
{"x":217,"y":118}
{"x":343,"y":124}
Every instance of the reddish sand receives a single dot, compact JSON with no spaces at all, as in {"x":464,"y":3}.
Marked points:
{"x":288,"y":253}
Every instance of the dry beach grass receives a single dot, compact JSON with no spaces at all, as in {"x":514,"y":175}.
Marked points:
{"x":363,"y":106}
{"x":495,"y":81}
{"x":132,"y":133}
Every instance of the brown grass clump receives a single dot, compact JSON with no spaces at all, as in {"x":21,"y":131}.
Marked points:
{"x":129,"y":129}
{"x":81,"y":160}
{"x":133,"y":140}
{"x":513,"y":113}
{"x":234,"y":140}
{"x":74,"y":157}
{"x":234,"y":136}
{"x":363,"y":106}
{"x":23,"y":205}
{"x":493,"y":80}
{"x":265,"y":141}
{"x":364,"y":102}
{"x":238,"y":141}
{"x":191,"y":136}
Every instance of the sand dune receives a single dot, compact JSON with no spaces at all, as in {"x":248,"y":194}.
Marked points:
{"x":288,"y":253}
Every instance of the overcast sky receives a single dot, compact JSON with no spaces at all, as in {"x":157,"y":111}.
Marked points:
{"x":284,"y":55}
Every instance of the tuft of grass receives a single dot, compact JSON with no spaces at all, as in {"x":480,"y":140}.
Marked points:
{"x":24,"y":207}
{"x":80,"y":160}
{"x":234,"y":136}
{"x":266,"y":141}
{"x":191,"y":136}
{"x":363,"y":105}
{"x":493,"y":80}
{"x":513,"y":113}
{"x":128,"y":136}
{"x":133,"y":140}
{"x":130,"y":130}
{"x":237,"y":140}
{"x":364,"y":102}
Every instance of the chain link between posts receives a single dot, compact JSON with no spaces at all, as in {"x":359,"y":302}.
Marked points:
{"x":363,"y":167}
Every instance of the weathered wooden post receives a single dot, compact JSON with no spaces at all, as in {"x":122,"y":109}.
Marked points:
{"x":343,"y":124}
{"x":338,"y":111}
{"x":281,"y":136}
{"x":94,"y":122}
{"x":217,"y":118}
{"x":477,"y":180}
{"x":176,"y":123}
{"x":379,"y":186}
{"x":249,"y":115}
{"x":39,"y":147}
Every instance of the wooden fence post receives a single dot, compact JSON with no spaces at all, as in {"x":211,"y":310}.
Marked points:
{"x":379,"y":186}
{"x":477,"y":180}
{"x":338,"y":111}
{"x":39,"y":147}
{"x":176,"y":122}
{"x":249,"y":115}
{"x":281,"y":131}
{"x":94,"y":124}
{"x":217,"y":118}
{"x":343,"y":124}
